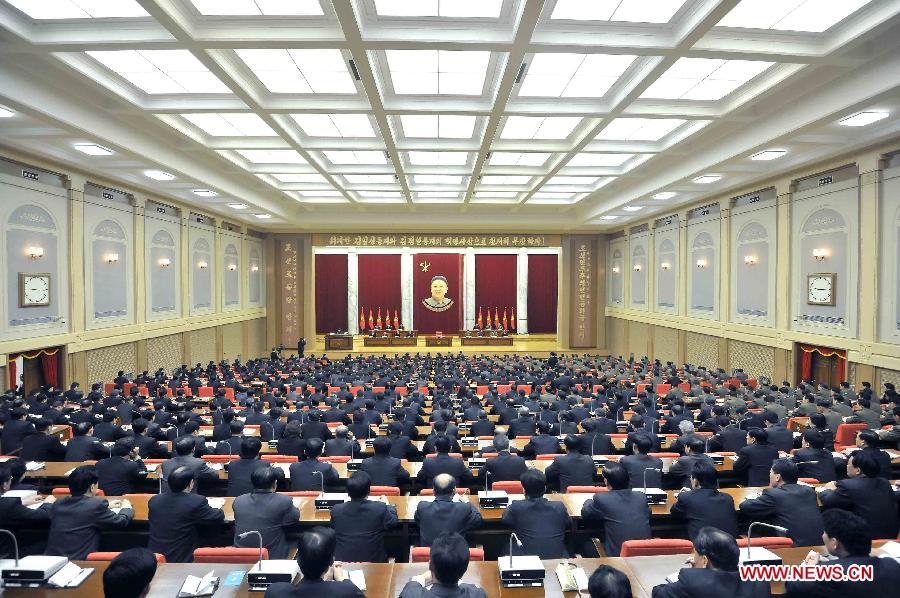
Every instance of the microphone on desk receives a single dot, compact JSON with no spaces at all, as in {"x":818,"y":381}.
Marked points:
{"x":15,"y":543}
{"x":518,"y":543}
{"x":250,"y":533}
{"x":487,"y":475}
{"x":322,"y":478}
{"x":646,"y":469}
{"x":777,"y":528}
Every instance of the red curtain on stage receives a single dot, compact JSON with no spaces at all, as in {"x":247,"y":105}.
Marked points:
{"x":50,"y":368}
{"x":331,"y":293}
{"x":379,"y":283}
{"x":495,"y":282}
{"x":542,"y":284}
{"x":426,"y":266}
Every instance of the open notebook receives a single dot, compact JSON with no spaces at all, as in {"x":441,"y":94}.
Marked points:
{"x":199,"y":586}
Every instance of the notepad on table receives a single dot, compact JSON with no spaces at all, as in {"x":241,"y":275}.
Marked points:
{"x":199,"y":586}
{"x":358,"y":578}
{"x":70,"y":576}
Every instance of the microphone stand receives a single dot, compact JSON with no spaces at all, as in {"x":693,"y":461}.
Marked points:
{"x":15,"y":543}
{"x":777,"y":528}
{"x":518,"y":543}
{"x":322,"y":479}
{"x":487,"y":475}
{"x":251,"y":532}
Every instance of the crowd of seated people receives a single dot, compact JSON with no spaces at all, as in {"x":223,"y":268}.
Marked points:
{"x":561,"y":408}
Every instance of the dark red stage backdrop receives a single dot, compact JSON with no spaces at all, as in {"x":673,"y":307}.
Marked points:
{"x":495,"y":283}
{"x":331,"y":292}
{"x":378,"y":284}
{"x":542,"y":281}
{"x":426,"y":266}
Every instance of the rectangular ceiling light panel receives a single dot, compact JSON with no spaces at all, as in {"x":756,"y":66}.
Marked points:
{"x":79,"y":9}
{"x":228,"y":124}
{"x":539,"y":127}
{"x":450,"y":9}
{"x":438,"y":72}
{"x":639,"y":129}
{"x":160,"y":71}
{"x":814,"y":16}
{"x":300,"y":71}
{"x":437,"y":126}
{"x":573,"y":75}
{"x":704,"y":78}
{"x":287,"y":8}
{"x":633,"y":11}
{"x":335,"y":125}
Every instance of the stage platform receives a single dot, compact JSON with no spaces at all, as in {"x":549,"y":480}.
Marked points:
{"x":536,"y":344}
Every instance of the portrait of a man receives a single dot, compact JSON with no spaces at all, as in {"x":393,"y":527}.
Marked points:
{"x":438,"y":300}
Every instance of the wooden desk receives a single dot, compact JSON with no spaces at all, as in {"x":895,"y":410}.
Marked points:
{"x":486,"y":341}
{"x":338,"y":342}
{"x":390,"y":341}
{"x":438,"y":341}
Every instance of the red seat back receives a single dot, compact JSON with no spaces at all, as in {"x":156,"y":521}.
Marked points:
{"x":422,"y":554}
{"x":510,"y":486}
{"x":108,"y":556}
{"x":655,"y":547}
{"x":766,"y":542}
{"x":586,"y":489}
{"x":384,"y":491}
{"x":229,"y":554}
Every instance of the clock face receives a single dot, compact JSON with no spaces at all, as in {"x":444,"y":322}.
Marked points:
{"x":34,"y":289}
{"x":820,"y":289}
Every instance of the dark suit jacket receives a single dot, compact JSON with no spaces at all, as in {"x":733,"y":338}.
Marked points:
{"x":269,"y":513}
{"x":84,"y":448}
{"x":42,"y":447}
{"x":385,"y":471}
{"x":118,"y":475}
{"x":504,"y":467}
{"x":403,"y":448}
{"x":444,"y":464}
{"x":625,"y":515}
{"x":76,"y":522}
{"x":637,"y":464}
{"x":792,"y":506}
{"x":341,"y":447}
{"x":542,"y":444}
{"x":873,"y":499}
{"x":731,"y":438}
{"x":239,"y":472}
{"x":780,"y":437}
{"x":483,"y":427}
{"x":292,"y":446}
{"x":360,"y":527}
{"x":541,"y":526}
{"x":203,"y":473}
{"x":442,"y":515}
{"x":682,"y":468}
{"x":305,"y":588}
{"x":596,"y":444}
{"x":174,"y":518}
{"x":302,"y":477}
{"x":571,"y":470}
{"x":315,"y":430}
{"x":755,"y":461}
{"x":14,"y":431}
{"x":711,"y":583}
{"x":886,"y":580}
{"x":13,"y":514}
{"x":823,"y":469}
{"x":706,"y":506}
{"x":413,"y":589}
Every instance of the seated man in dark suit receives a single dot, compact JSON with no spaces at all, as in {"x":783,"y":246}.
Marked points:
{"x":777,"y":434}
{"x":239,"y":470}
{"x":703,"y":505}
{"x":540,"y":524}
{"x":176,"y":516}
{"x":232,"y":444}
{"x":314,"y":428}
{"x":864,"y":493}
{"x":42,"y":446}
{"x":624,"y":513}
{"x":848,"y":538}
{"x":731,"y":438}
{"x":814,"y":461}
{"x":83,"y":446}
{"x":593,"y":442}
{"x":524,"y":425}
{"x":791,"y":505}
{"x":76,"y":520}
{"x":384,"y":469}
{"x":713,"y":571}
{"x":440,"y":431}
{"x":107,"y":430}
{"x":572,"y":468}
{"x":265,"y":510}
{"x":321,"y":575}
{"x":148,"y":447}
{"x":122,"y":470}
{"x":360,"y":524}
{"x":868,"y":441}
{"x":693,"y":454}
{"x":444,"y":513}
{"x":448,"y":562}
{"x":14,"y":512}
{"x":14,"y":431}
{"x":755,"y":460}
{"x":443,"y":463}
{"x":312,"y":474}
{"x":341,"y":445}
{"x":483,"y":426}
{"x":543,"y":444}
{"x":641,"y":466}
{"x":505,"y":466}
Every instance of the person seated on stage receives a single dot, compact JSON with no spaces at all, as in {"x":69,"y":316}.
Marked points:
{"x":608,"y":582}
{"x":322,"y":576}
{"x":713,"y":571}
{"x":444,"y":513}
{"x":373,"y":333}
{"x":129,"y":574}
{"x":447,"y":563}
{"x":848,"y":538}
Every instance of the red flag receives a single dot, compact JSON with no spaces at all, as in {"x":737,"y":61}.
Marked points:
{"x":371,"y":319}
{"x":496,"y":318}
{"x":512,"y":319}
{"x":378,"y":321}
{"x":362,"y":320}
{"x":480,"y":322}
{"x":505,"y":322}
{"x":396,"y":321}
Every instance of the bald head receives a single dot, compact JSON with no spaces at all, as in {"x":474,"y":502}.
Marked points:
{"x":444,"y":484}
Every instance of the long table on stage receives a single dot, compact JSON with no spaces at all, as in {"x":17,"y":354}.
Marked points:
{"x":390,"y":341}
{"x":339,"y":342}
{"x":486,"y":341}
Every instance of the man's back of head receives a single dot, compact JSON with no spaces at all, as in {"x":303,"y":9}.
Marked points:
{"x":129,"y":574}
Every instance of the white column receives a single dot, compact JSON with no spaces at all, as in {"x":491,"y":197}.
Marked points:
{"x":406,"y":289}
{"x":353,"y":292}
{"x":522,"y":292}
{"x":469,"y":289}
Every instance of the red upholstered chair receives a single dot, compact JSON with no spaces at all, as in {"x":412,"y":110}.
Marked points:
{"x":205,"y":391}
{"x":547,"y":457}
{"x":108,"y":556}
{"x":384,"y":491}
{"x":422,"y":554}
{"x":66,"y":492}
{"x":152,"y":461}
{"x":846,"y":435}
{"x":485,"y":437}
{"x":489,"y":455}
{"x":430,"y":491}
{"x":586,"y":489}
{"x":304,"y":493}
{"x":220,"y":458}
{"x":510,"y":486}
{"x":481,"y":390}
{"x":338,"y":459}
{"x":808,"y":480}
{"x":655,"y":547}
{"x":432,"y":455}
{"x":278,"y":458}
{"x":229,"y":554}
{"x":662,"y":389}
{"x":665,"y":455}
{"x":766,"y":542}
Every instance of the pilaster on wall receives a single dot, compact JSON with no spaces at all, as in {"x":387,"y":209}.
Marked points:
{"x":138,"y":251}
{"x":725,"y":263}
{"x":783,"y":263}
{"x":76,"y":254}
{"x":683,"y":299}
{"x":870,"y":182}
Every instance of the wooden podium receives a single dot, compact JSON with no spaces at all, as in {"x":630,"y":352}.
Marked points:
{"x":338,"y":342}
